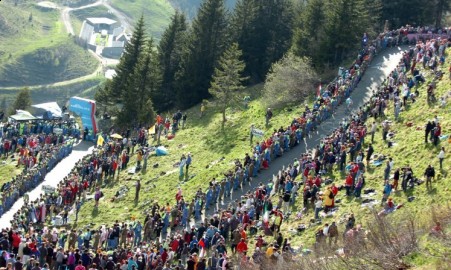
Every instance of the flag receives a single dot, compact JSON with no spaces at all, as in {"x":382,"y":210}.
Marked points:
{"x":318,"y":91}
{"x":100,"y":140}
{"x":152,"y":130}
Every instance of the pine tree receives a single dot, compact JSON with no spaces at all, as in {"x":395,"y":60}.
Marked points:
{"x":128,"y":61}
{"x":22,"y":102}
{"x":170,"y":51}
{"x":347,"y":21}
{"x":414,"y":12}
{"x":243,"y":30}
{"x":309,"y":31}
{"x":205,"y":46}
{"x":146,"y":79}
{"x":227,"y":80}
{"x":441,"y":8}
{"x":263,"y":30}
{"x":103,"y":97}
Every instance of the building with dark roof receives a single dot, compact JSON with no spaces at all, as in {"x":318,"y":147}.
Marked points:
{"x":104,"y":36}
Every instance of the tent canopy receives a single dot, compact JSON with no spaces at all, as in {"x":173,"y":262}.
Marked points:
{"x":51,"y":107}
{"x":22,"y":116}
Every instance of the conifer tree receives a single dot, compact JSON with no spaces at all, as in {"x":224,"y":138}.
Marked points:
{"x":228,"y":80}
{"x":22,"y":102}
{"x":103,"y":97}
{"x":205,"y":46}
{"x":309,"y":31}
{"x":263,"y":30}
{"x":170,"y":51}
{"x":128,"y":61}
{"x":145,"y":79}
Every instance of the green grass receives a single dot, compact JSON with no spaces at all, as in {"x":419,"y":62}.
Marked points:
{"x":156,"y":13}
{"x":410,"y":150}
{"x":206,"y":143}
{"x":102,"y":41}
{"x":59,"y":94}
{"x":46,"y":65}
{"x":8,"y":170}
{"x":38,"y":51}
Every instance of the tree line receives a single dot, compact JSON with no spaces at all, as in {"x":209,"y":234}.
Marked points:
{"x":178,"y":71}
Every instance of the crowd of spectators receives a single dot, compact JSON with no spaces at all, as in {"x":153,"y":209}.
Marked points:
{"x":182,"y":235}
{"x":35,"y":147}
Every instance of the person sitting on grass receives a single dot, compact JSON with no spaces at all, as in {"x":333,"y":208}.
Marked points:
{"x":388,"y":208}
{"x":437,"y":230}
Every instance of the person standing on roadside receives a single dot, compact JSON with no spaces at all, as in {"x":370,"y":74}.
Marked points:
{"x":184,"y":120}
{"x":251,"y":135}
{"x":369,"y":153}
{"x":441,"y":157}
{"x":138,"y":188}
{"x":268,"y":116}
{"x":429,"y":173}
{"x":437,"y":132}
{"x":187,"y":164}
{"x":202,"y":109}
{"x":427,"y":130}
{"x":373,"y":131}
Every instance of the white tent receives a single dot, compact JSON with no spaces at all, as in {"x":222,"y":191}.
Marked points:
{"x":22,"y":116}
{"x":51,"y":107}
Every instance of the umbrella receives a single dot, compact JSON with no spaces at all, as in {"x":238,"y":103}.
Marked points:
{"x":116,"y":136}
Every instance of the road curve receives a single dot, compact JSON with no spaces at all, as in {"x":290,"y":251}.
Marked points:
{"x":65,"y":15}
{"x":53,"y":178}
{"x":378,"y":70}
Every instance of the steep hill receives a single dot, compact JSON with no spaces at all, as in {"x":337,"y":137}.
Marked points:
{"x":156,"y":13}
{"x":36,"y":48}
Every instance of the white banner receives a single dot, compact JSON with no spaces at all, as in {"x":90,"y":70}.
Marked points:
{"x":48,"y":189}
{"x":258,"y":132}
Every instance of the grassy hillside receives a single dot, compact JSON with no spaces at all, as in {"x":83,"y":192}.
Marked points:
{"x":409,"y":150}
{"x":36,"y":48}
{"x":156,"y":13}
{"x":64,"y":61}
{"x":214,"y":153}
{"x":61,"y":94}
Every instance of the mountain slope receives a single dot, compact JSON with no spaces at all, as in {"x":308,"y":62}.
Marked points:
{"x":35,"y":48}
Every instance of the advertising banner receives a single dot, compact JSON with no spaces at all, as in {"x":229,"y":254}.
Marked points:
{"x":86,"y":109}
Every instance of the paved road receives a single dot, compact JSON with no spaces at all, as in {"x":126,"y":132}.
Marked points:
{"x":65,"y":15}
{"x":52,"y":179}
{"x":379,"y":69}
{"x":381,"y":66}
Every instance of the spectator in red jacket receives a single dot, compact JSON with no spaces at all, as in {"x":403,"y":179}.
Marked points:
{"x":242,"y":246}
{"x":349,"y":183}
